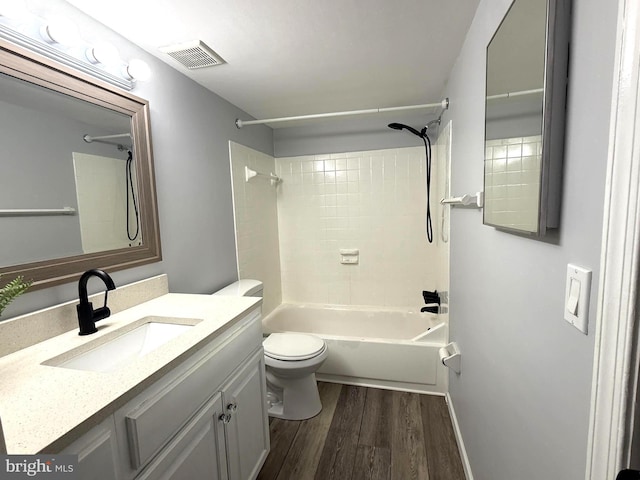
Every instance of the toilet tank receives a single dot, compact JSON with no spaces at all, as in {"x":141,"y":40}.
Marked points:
{"x":242,"y":288}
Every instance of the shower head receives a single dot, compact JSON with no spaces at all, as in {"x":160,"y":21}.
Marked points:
{"x":401,"y":126}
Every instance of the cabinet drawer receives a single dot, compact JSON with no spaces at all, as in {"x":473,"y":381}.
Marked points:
{"x":156,"y":415}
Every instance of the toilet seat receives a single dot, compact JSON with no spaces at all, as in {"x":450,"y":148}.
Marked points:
{"x":293,"y":346}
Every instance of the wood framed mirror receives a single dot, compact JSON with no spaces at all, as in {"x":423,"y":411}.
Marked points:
{"x":67,"y":204}
{"x":527,"y":76}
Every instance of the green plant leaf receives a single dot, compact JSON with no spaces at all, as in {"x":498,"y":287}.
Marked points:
{"x":12,"y":290}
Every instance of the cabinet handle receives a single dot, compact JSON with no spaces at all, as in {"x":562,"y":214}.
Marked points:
{"x":225,"y":418}
{"x":232,"y":407}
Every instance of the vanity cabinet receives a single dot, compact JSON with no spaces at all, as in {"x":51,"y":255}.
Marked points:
{"x":226,"y":439}
{"x":204,"y":419}
{"x":197,"y":451}
{"x":97,"y":453}
{"x":247,"y":434}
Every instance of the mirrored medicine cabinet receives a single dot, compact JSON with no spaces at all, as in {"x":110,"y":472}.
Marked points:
{"x":526,"y":84}
{"x":67,"y":204}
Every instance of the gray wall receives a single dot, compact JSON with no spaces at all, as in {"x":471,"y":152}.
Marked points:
{"x":191,"y":128}
{"x":515,"y":118}
{"x":37,"y":165}
{"x":522,"y":400}
{"x":37,"y":174}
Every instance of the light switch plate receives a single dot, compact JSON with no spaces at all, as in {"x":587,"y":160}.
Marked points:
{"x":581,"y":290}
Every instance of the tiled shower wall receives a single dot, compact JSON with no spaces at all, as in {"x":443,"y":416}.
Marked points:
{"x":512,"y":182}
{"x":102,"y":203}
{"x":256,"y":217}
{"x":373,"y":201}
{"x":441,"y":189}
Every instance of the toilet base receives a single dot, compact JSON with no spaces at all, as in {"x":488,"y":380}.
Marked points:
{"x":298,"y":397}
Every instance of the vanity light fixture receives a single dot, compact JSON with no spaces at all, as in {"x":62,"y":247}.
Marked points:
{"x":61,"y":31}
{"x":103,"y":53}
{"x":59,"y":40}
{"x":137,"y":70}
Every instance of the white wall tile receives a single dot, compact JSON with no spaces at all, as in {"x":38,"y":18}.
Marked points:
{"x":513,"y":171}
{"x":102,"y":203}
{"x":373,"y":201}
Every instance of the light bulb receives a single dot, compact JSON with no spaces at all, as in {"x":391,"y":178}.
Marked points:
{"x":60,"y":30}
{"x":137,"y":70}
{"x":104,"y":53}
{"x":16,"y":11}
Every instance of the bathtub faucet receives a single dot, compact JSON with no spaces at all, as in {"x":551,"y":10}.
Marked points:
{"x":432,"y":299}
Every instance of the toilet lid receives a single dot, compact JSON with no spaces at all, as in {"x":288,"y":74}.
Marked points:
{"x":292,"y":346}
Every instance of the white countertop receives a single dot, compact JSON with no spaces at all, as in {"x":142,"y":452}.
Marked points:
{"x":40,"y":404}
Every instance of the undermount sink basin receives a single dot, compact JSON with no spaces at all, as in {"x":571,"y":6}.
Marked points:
{"x":112,"y":352}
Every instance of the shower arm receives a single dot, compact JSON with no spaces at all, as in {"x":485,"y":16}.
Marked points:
{"x":105,"y":139}
{"x":89,"y":138}
{"x":437,"y":121}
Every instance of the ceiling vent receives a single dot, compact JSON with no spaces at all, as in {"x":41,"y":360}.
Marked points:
{"x":193,"y":55}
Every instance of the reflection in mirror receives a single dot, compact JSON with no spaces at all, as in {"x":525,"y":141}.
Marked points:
{"x":524,"y":124}
{"x":53,"y":167}
{"x":77,"y":190}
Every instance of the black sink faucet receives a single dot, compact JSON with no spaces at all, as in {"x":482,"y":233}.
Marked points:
{"x":87,"y":316}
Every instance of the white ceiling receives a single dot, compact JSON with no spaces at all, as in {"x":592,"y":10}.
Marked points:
{"x":297,"y":57}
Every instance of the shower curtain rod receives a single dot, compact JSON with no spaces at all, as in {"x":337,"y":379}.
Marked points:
{"x":89,"y":138}
{"x":444,"y":104}
{"x":516,"y":94}
{"x":20,"y":212}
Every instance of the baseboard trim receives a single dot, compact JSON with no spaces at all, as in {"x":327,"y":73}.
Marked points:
{"x":456,"y":428}
{"x":383,"y":384}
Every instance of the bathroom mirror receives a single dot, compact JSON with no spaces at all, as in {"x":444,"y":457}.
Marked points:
{"x":77,"y":190}
{"x":526,"y":86}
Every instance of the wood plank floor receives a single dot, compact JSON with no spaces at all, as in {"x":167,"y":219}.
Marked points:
{"x":366,"y":433}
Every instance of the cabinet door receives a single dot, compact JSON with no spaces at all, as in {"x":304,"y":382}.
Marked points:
{"x":196,"y":452}
{"x":97,"y":453}
{"x":245,"y":400}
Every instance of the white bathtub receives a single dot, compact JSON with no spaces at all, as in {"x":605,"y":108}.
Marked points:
{"x":371,"y":346}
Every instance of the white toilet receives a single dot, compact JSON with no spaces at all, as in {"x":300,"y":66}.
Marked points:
{"x":291,"y":362}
